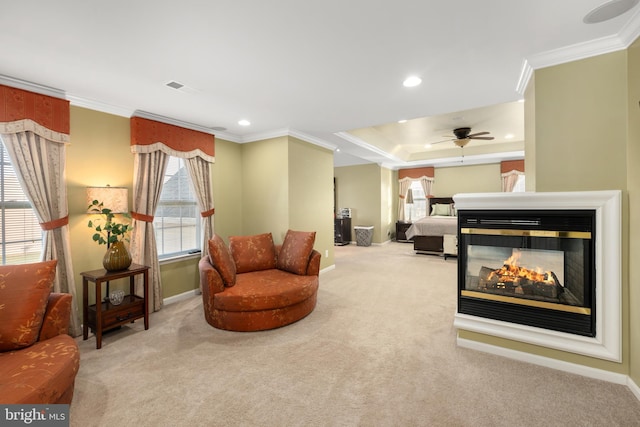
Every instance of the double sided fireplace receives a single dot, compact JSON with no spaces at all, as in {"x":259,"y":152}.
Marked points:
{"x":542,"y":268}
{"x":533,"y":267}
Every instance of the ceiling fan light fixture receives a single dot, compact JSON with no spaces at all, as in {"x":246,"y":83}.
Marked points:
{"x":461,"y":142}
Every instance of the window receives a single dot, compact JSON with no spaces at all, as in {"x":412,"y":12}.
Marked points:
{"x":177,"y":222}
{"x":418,"y":209}
{"x":20,"y":232}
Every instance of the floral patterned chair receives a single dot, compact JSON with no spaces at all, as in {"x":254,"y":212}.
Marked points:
{"x":254,"y":285}
{"x":38,"y":359}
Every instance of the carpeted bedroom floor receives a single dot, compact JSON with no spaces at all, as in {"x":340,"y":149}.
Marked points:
{"x":378,"y":350}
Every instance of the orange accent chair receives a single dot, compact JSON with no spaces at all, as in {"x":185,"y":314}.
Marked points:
{"x":254,"y":285}
{"x":38,"y":359}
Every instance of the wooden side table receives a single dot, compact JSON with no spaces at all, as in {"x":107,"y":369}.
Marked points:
{"x":103,"y":316}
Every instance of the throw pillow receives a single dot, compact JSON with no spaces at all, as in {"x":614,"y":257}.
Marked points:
{"x":253,"y":253}
{"x":221,"y":259}
{"x":295,"y":251}
{"x":441,"y":209}
{"x":24,"y":292}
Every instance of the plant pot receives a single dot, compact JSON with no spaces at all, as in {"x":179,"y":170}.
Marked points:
{"x":117,"y":257}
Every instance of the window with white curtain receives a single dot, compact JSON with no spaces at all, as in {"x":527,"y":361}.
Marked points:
{"x":20,"y":232}
{"x":418,"y":209}
{"x":177,"y":222}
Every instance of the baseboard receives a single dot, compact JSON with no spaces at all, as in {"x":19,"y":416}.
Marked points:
{"x":331,"y":267}
{"x":633,"y":387}
{"x":181,"y":297}
{"x":560,"y":365}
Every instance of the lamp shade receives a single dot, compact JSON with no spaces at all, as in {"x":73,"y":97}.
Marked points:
{"x":409,"y":199}
{"x":114,"y":198}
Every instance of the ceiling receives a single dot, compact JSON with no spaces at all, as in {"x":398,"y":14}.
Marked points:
{"x":328,"y":72}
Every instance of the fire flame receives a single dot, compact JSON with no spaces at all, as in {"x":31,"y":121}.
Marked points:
{"x":511,"y":271}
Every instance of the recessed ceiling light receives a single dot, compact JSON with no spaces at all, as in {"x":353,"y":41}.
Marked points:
{"x":244,"y":122}
{"x":609,"y":10}
{"x":402,"y":121}
{"x":427,"y":146}
{"x":412,"y":81}
{"x":337,"y":150}
{"x":509,"y":136}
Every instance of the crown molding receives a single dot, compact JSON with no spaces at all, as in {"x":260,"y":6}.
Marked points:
{"x":622,"y":40}
{"x":32,"y":87}
{"x":102,"y":107}
{"x":361,"y":143}
{"x":312,"y":139}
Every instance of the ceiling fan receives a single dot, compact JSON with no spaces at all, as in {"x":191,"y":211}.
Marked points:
{"x":464,"y":135}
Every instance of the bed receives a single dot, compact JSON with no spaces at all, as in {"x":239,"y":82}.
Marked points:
{"x":427,"y":233}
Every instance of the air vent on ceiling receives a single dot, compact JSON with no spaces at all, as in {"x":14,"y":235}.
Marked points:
{"x":175,"y":85}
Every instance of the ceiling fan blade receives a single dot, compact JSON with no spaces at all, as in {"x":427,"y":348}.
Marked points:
{"x":440,"y":142}
{"x":478,"y":134}
{"x":486,"y":138}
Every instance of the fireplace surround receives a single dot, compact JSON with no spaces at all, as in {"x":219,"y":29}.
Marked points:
{"x":542,"y":268}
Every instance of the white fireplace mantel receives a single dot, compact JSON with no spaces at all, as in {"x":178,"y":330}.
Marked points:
{"x":607,"y":344}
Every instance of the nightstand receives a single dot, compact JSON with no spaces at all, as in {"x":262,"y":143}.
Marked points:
{"x":103,"y":316}
{"x":401,"y":230}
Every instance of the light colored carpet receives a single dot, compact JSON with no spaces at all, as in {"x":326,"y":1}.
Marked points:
{"x":379,"y":350}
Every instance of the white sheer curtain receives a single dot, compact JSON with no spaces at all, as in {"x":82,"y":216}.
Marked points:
{"x":509,"y":180}
{"x":427,"y":183}
{"x":39,"y":157}
{"x":148,"y":174}
{"x":403,"y":188}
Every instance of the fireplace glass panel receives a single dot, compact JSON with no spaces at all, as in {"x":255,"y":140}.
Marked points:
{"x":534,"y":267}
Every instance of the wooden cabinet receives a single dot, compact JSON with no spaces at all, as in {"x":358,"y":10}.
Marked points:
{"x":342,"y":231}
{"x":401,"y":229}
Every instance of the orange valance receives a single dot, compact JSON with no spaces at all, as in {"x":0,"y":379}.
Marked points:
{"x":49,"y":112}
{"x":416,"y":173}
{"x":188,"y":142}
{"x":510,"y":165}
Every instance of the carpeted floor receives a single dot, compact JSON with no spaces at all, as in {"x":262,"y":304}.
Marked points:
{"x":379,"y":350}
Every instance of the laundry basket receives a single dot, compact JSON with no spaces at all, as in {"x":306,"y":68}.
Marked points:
{"x":364,"y":235}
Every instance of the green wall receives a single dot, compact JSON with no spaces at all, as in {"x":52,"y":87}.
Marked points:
{"x":466,"y":179}
{"x":360,"y":188}
{"x":270,"y":185}
{"x":633,"y":186}
{"x":584,"y":140}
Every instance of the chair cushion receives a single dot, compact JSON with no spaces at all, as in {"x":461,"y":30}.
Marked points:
{"x":266,"y":290}
{"x":253,"y":253}
{"x":222,"y":260}
{"x":24,"y":291}
{"x":296,"y":249}
{"x":44,"y":373}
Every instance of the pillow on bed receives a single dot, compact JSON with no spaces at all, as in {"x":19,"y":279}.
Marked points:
{"x":441,"y":209}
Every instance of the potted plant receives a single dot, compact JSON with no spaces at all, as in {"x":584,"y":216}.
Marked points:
{"x":111,"y":233}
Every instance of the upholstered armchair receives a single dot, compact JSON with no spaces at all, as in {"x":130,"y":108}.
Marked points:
{"x":38,"y":359}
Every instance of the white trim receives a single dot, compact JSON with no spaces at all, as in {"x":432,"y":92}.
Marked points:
{"x":327,"y":269}
{"x":170,"y":121}
{"x":181,"y":297}
{"x":573,"y":368}
{"x":525,"y":76}
{"x":633,"y":387}
{"x":607,"y":344}
{"x":102,"y":107}
{"x":312,"y":139}
{"x":32,"y":87}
